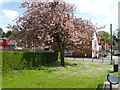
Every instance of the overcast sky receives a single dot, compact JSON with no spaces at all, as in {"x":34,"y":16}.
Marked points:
{"x":102,"y":12}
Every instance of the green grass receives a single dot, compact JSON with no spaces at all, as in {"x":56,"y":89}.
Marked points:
{"x":82,"y":75}
{"x":0,"y":70}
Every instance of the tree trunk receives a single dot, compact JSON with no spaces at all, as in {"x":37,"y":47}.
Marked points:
{"x":62,"y":56}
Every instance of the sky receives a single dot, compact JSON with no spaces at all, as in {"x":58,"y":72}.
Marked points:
{"x":102,"y":12}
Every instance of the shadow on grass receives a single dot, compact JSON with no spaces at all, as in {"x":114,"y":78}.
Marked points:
{"x":112,"y":72}
{"x":70,"y":64}
{"x":55,"y":64}
{"x":99,"y":87}
{"x":46,"y":68}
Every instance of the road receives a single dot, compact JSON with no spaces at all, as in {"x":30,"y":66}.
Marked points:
{"x":116,"y":59}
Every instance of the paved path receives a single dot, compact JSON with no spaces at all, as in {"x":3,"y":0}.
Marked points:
{"x":107,"y":86}
{"x":116,"y":59}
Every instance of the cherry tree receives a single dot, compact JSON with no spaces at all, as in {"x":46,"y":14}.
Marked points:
{"x":53,"y":24}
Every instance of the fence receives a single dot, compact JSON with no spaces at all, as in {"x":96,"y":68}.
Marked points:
{"x":100,"y":60}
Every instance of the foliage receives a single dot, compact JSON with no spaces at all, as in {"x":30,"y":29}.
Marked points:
{"x":83,"y":75}
{"x":116,"y":35}
{"x":13,"y":60}
{"x":105,"y":36}
{"x":53,"y":24}
{"x":8,"y":34}
{"x":2,"y":33}
{"x":115,"y":40}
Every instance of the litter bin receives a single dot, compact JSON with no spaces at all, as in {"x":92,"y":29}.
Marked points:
{"x":115,"y":66}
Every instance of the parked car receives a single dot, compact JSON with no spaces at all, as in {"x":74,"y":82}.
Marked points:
{"x":107,"y":54}
{"x":116,"y":52}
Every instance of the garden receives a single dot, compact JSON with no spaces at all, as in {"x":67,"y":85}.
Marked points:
{"x":53,"y":25}
{"x":75,"y":74}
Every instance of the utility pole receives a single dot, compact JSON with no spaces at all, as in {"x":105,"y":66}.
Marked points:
{"x":111,"y":42}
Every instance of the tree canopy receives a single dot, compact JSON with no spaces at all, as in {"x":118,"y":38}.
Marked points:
{"x":116,"y":35}
{"x":2,"y":33}
{"x":53,"y":24}
{"x":105,"y":36}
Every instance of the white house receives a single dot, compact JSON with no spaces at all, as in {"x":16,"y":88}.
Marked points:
{"x":91,"y":52}
{"x":95,"y":46}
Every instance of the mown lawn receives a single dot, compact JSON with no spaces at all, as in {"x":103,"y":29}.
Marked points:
{"x":82,"y":75}
{"x":0,"y":70}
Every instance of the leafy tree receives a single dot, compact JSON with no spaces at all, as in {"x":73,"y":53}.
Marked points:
{"x":1,"y":30}
{"x":2,"y":33}
{"x":53,"y":24}
{"x":12,"y":33}
{"x":105,"y":36}
{"x":8,"y":34}
{"x":116,"y":35}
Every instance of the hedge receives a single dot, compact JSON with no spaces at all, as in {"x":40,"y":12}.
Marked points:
{"x":14,"y":60}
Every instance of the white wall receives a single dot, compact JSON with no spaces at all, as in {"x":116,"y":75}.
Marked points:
{"x":95,"y":46}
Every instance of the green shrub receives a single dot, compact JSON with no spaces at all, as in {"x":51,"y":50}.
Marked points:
{"x":13,"y":60}
{"x":59,"y":55}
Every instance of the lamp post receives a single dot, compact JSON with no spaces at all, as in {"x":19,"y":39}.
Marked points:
{"x":111,"y":42}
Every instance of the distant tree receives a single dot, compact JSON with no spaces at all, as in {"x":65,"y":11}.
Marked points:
{"x":53,"y":24}
{"x":8,"y":34}
{"x":105,"y":36}
{"x":13,"y":33}
{"x":2,"y":33}
{"x":1,"y":30}
{"x":116,"y":35}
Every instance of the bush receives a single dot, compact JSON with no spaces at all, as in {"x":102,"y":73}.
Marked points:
{"x":13,"y":60}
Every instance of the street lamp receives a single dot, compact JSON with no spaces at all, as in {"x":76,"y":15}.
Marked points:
{"x":111,"y":41}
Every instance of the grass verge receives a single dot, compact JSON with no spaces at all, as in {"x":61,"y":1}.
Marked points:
{"x":75,"y":75}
